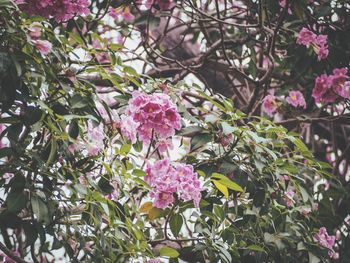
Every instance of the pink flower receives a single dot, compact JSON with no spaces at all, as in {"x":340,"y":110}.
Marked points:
{"x":296,"y":99}
{"x":344,"y":91}
{"x":319,"y":42}
{"x":305,"y":210}
{"x":162,"y":199}
{"x":324,"y":239}
{"x":34,"y":31}
{"x":322,"y":52}
{"x":129,"y":128}
{"x":327,"y":88}
{"x":150,"y":115}
{"x":164,"y":145}
{"x":306,"y":37}
{"x":122,"y":14}
{"x":269,"y":105}
{"x":288,"y":197}
{"x":282,"y":4}
{"x":167,"y":179}
{"x":95,"y":139}
{"x":322,"y":91}
{"x":43,"y":46}
{"x":154,"y":260}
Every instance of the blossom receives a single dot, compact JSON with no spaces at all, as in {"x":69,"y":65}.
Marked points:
{"x":164,"y":144}
{"x":122,"y":14}
{"x":318,"y":42}
{"x":34,"y":31}
{"x":282,"y":4}
{"x":288,"y":197}
{"x":167,"y":179}
{"x":43,"y":46}
{"x":154,"y":260}
{"x":345,"y":90}
{"x":328,"y":88}
{"x":324,"y":239}
{"x":306,"y":37}
{"x":296,"y":99}
{"x":150,"y":116}
{"x":269,"y":105}
{"x":60,"y":10}
{"x":95,"y":137}
{"x":322,"y":89}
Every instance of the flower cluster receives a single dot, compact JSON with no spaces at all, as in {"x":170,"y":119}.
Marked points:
{"x":148,"y":116}
{"x":296,"y":99}
{"x":328,"y":88}
{"x":168,"y":178}
{"x":318,"y":42}
{"x":60,"y":10}
{"x":327,"y":241}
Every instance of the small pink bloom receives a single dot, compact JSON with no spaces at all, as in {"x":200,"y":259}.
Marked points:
{"x":43,"y":46}
{"x":305,"y":210}
{"x":269,"y":105}
{"x":324,"y":239}
{"x":344,"y":91}
{"x":162,"y":199}
{"x":128,"y":128}
{"x":296,"y":99}
{"x":164,"y":145}
{"x":288,"y":197}
{"x":322,"y":90}
{"x":306,"y":37}
{"x":154,"y":260}
{"x":122,"y":14}
{"x":34,"y":31}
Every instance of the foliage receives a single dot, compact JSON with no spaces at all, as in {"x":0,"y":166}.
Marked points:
{"x":74,"y":184}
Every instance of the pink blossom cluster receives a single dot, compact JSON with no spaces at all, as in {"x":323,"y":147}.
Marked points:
{"x":163,"y":4}
{"x":318,"y":42}
{"x":329,"y":88}
{"x":60,"y":10}
{"x":296,"y":99}
{"x":150,"y":115}
{"x":327,"y":241}
{"x":168,"y":178}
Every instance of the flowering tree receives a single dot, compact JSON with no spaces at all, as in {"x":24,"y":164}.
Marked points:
{"x":161,"y":131}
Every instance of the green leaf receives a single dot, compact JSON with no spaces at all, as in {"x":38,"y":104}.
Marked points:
{"x":222,"y":179}
{"x":168,"y":252}
{"x":16,"y":201}
{"x":256,"y":248}
{"x":223,"y":189}
{"x":175,"y":224}
{"x":41,"y":210}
